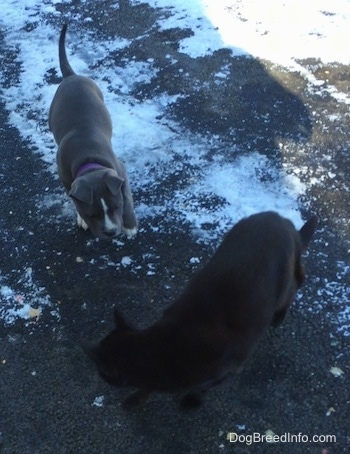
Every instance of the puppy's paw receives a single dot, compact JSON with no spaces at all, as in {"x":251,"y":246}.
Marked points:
{"x":81,"y":223}
{"x":130,"y":233}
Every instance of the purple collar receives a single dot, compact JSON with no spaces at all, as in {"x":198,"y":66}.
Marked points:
{"x":88,"y":166}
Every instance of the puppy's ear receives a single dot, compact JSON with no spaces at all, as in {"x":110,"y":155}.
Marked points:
{"x":82,"y":191}
{"x":113,"y":182}
{"x":307,"y":230}
{"x":120,"y":323}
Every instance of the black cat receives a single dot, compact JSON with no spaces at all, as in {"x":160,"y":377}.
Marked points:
{"x":215,"y":324}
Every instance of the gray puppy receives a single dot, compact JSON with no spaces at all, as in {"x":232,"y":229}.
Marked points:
{"x":87,"y":166}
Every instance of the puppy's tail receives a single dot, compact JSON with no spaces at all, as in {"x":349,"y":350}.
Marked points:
{"x":307,"y":230}
{"x":64,"y":65}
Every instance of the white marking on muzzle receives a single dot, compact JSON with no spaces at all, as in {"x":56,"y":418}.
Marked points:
{"x":109,"y":225}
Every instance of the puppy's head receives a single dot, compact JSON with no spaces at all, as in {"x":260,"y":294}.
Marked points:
{"x":108,"y":354}
{"x":99,"y":201}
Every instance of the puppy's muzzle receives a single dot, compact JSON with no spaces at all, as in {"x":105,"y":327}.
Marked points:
{"x":110,"y":233}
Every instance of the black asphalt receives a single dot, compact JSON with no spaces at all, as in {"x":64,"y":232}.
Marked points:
{"x":48,"y":387}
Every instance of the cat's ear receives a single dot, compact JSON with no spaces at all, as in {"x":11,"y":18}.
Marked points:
{"x":120,"y":323}
{"x":91,"y":350}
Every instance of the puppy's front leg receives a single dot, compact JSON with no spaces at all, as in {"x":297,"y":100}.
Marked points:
{"x":129,"y":217}
{"x":130,"y":233}
{"x":81,"y":223}
{"x":136,"y":399}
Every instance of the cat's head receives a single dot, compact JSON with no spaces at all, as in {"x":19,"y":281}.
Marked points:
{"x":109,"y":354}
